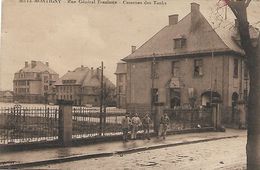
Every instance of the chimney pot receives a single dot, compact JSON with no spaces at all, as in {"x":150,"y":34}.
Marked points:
{"x":47,"y":64}
{"x":173,"y":19}
{"x":195,"y":7}
{"x":33,"y":63}
{"x":133,"y":49}
{"x":26,"y":63}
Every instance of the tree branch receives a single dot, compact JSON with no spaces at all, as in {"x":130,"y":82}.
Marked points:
{"x":247,"y":3}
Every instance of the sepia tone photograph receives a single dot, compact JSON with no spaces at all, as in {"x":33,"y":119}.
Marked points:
{"x":130,"y":84}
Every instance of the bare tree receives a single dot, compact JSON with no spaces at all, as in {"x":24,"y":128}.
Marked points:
{"x":239,"y":8}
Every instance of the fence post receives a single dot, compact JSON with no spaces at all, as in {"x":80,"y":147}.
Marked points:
{"x":216,"y":116}
{"x":159,"y":108}
{"x":65,"y":122}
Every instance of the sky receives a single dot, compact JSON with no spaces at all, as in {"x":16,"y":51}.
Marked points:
{"x":70,"y":35}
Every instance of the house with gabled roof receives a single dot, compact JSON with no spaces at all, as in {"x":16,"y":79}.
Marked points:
{"x":188,"y":62}
{"x":121,"y":84}
{"x":82,"y":86}
{"x":34,"y":83}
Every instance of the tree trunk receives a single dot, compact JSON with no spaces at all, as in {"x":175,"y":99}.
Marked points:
{"x":253,"y":133}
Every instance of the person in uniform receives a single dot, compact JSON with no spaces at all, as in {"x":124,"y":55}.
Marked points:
{"x":136,"y":123}
{"x":126,"y":122}
{"x":164,"y":123}
{"x":146,"y":126}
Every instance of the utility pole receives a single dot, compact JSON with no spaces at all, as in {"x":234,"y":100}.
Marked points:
{"x":153,"y":114}
{"x":101,"y":100}
{"x":152,"y":77}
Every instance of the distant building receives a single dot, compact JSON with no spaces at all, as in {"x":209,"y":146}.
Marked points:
{"x":6,"y":96}
{"x":188,"y":62}
{"x":34,"y":83}
{"x":82,"y":86}
{"x":121,"y":85}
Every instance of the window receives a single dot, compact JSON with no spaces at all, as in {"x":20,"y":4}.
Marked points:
{"x":155,"y":96}
{"x":175,"y":68}
{"x":120,"y":78}
{"x":246,"y":74}
{"x":154,"y":70}
{"x":46,"y":88}
{"x":235,"y":75}
{"x":198,"y":67}
{"x":175,"y":97}
{"x":45,"y":78}
{"x":179,"y":43}
{"x":120,"y":89}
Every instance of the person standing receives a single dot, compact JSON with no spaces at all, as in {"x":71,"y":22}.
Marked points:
{"x":164,"y":123}
{"x":126,"y":122}
{"x":136,"y":123}
{"x":146,"y":125}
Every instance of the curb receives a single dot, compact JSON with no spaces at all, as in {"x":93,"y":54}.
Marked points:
{"x":106,"y":154}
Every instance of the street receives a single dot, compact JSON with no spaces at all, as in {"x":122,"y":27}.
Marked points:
{"x":220,"y":154}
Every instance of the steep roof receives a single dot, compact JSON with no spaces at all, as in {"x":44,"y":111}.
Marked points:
{"x":121,"y":68}
{"x":93,"y":80}
{"x":38,"y":68}
{"x":78,"y":74}
{"x":199,"y":39}
{"x":85,"y":77}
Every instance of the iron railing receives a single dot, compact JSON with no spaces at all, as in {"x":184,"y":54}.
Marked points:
{"x":89,"y":123}
{"x":25,"y":125}
{"x":190,"y":118}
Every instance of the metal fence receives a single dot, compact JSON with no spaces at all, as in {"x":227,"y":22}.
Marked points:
{"x":25,"y":125}
{"x":191,"y":118}
{"x":89,"y":123}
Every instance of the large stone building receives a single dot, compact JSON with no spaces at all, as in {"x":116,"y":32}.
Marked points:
{"x":34,"y":83}
{"x":82,"y":86}
{"x":121,"y":85}
{"x":188,"y":63}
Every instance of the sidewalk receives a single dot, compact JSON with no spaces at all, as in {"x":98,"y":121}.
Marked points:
{"x":56,"y":155}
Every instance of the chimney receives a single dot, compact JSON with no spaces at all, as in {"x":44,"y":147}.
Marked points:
{"x":33,"y":64}
{"x":133,"y":49}
{"x":195,"y":11}
{"x":47,"y":64}
{"x":92,"y":72}
{"x":98,"y":73}
{"x":173,"y":19}
{"x":26,"y":64}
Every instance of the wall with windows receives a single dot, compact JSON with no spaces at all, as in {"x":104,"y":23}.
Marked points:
{"x":197,"y":73}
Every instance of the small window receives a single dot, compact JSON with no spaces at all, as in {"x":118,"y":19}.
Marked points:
{"x":120,"y":89}
{"x":175,"y":68}
{"x":155,"y":70}
{"x":235,"y":68}
{"x":120,"y":78}
{"x":155,"y":96}
{"x":198,"y":67}
{"x":246,"y":74}
{"x":179,"y":43}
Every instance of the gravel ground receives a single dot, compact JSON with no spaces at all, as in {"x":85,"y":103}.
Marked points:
{"x":225,"y":154}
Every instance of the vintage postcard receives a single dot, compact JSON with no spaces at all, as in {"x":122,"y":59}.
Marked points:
{"x":125,"y":84}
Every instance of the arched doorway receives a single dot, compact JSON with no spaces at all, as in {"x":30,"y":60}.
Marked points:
{"x":234,"y":106}
{"x":209,"y":97}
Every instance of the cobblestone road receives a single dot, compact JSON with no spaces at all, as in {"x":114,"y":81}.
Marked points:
{"x":217,"y":155}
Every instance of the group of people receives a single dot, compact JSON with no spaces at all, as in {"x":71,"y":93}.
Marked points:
{"x":135,"y":124}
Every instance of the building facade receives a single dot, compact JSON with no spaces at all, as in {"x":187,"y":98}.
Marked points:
{"x":188,"y":63}
{"x":121,"y":85}
{"x":82,"y":86}
{"x":34,"y":83}
{"x":6,"y":96}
